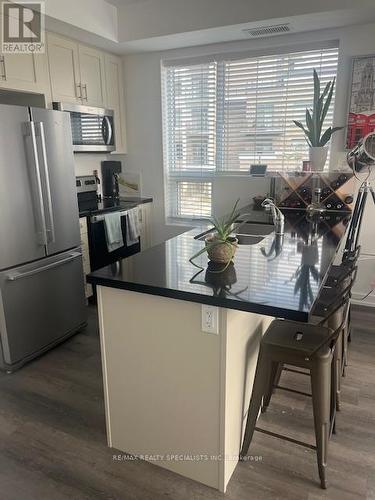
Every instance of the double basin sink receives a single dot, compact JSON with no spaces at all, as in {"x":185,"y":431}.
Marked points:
{"x":247,"y":233}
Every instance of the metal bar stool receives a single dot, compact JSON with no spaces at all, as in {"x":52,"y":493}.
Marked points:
{"x":337,"y":278}
{"x":335,"y":317}
{"x":303,"y":346}
{"x":337,"y":275}
{"x":333,"y":308}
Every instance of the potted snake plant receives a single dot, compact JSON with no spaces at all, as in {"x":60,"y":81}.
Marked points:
{"x":315,"y":137}
{"x":220,"y":245}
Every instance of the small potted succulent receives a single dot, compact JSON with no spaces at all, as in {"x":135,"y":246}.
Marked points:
{"x":315,"y":137}
{"x":220,"y":245}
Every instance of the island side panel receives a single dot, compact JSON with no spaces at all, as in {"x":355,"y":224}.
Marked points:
{"x":162,"y":381}
{"x":243,"y":332}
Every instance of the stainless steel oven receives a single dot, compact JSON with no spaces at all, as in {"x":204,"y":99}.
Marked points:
{"x":99,"y":255}
{"x":92,"y":128}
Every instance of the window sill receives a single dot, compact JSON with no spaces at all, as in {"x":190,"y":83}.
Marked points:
{"x":188,"y":223}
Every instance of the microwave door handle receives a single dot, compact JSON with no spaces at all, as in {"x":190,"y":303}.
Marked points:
{"x":36,"y":183}
{"x":39,"y":127}
{"x":107,"y":130}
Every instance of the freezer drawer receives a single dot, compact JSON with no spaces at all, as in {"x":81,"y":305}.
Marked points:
{"x":40,"y":304}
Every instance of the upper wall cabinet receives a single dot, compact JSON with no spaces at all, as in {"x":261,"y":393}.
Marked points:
{"x":91,"y":63}
{"x":116,"y":98}
{"x":24,"y":72}
{"x":64,"y":69}
{"x":76,"y":72}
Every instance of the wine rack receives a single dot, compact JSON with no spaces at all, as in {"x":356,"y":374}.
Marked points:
{"x":295,"y":191}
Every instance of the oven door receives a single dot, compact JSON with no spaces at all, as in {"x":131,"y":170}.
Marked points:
{"x":99,"y":255}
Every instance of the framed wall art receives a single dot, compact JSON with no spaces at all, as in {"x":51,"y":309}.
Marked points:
{"x":361,"y":120}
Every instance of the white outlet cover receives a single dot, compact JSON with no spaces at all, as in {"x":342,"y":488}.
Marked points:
{"x":210,"y":319}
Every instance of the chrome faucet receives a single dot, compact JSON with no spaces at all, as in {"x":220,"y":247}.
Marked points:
{"x":277,"y":215}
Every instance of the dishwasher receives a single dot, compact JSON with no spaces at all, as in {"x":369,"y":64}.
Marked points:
{"x":99,"y":255}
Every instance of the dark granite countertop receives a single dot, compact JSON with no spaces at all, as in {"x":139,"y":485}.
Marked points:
{"x":110,"y":205}
{"x":279,"y":276}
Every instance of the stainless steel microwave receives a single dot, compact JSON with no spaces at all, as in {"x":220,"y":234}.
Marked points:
{"x":92,"y":128}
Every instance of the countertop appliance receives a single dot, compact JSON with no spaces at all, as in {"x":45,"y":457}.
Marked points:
{"x":92,"y":128}
{"x":87,"y":193}
{"x":110,"y":175}
{"x":42,"y":298}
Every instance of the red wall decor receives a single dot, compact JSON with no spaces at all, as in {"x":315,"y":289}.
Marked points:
{"x":361,"y":120}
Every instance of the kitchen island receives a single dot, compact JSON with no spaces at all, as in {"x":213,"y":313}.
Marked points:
{"x":178,"y":396}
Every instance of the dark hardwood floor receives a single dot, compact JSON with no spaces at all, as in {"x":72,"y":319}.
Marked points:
{"x":53,"y":444}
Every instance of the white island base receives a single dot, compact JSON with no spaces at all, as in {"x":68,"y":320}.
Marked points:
{"x":174,"y":395}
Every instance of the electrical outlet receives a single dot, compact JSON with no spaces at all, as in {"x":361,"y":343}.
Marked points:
{"x":210,"y":319}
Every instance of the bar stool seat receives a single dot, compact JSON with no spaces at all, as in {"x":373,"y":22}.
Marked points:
{"x":304,"y":346}
{"x":337,"y":274}
{"x":301,"y":337}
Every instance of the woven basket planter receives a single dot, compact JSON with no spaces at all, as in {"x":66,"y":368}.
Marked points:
{"x":222,"y":252}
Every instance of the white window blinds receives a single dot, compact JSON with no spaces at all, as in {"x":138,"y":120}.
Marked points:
{"x":189,"y":137}
{"x":222,"y":116}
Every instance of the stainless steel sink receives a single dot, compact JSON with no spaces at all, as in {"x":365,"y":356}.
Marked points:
{"x":249,"y":233}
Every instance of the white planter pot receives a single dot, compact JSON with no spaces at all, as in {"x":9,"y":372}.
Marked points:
{"x":318,"y":157}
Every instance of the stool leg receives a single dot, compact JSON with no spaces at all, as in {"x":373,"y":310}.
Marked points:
{"x":338,"y":364}
{"x":259,"y":389}
{"x":321,"y":387}
{"x":345,"y":350}
{"x":349,"y":325}
{"x":333,"y":395}
{"x":275,"y":374}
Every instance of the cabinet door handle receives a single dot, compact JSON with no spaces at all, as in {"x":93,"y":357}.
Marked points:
{"x":79,"y":91}
{"x":85,"y":87}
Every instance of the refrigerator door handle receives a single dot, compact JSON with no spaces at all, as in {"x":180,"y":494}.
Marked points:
{"x":50,"y":226}
{"x":36,"y":182}
{"x":16,"y":276}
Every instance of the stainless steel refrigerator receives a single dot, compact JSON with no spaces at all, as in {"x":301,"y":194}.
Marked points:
{"x":42,"y":297}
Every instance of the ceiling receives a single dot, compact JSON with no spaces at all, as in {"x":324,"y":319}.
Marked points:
{"x":152,"y":27}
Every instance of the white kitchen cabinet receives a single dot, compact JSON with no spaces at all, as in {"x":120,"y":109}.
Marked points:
{"x":92,"y":68}
{"x":24,"y":72}
{"x":64,"y":69}
{"x":145,"y":222}
{"x":85,"y":253}
{"x":76,"y":72}
{"x":116,"y":98}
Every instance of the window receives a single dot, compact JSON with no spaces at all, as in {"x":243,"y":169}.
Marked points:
{"x":221,"y":116}
{"x":193,"y":198}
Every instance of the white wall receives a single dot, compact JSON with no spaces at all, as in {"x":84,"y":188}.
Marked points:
{"x":95,"y":16}
{"x":85,"y":163}
{"x":154,"y":18}
{"x":144,"y":131}
{"x":143,"y":104}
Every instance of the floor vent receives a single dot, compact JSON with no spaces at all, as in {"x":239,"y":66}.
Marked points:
{"x":276,"y":29}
